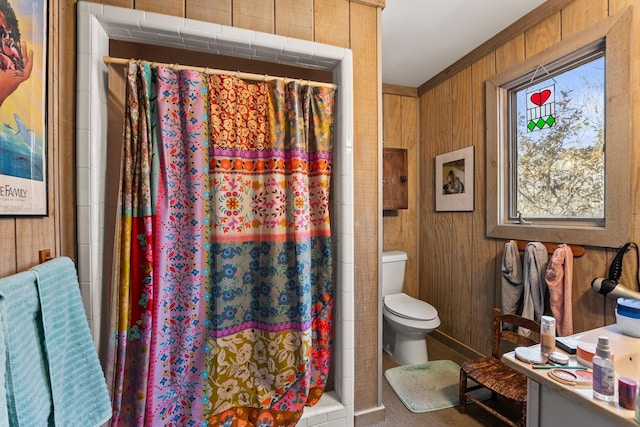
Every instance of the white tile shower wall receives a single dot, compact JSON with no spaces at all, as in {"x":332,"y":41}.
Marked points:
{"x":96,"y":25}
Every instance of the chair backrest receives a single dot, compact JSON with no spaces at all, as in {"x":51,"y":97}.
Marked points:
{"x":500,"y":335}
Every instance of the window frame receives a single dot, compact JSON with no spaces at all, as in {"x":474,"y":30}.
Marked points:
{"x":595,"y":51}
{"x":615,"y":32}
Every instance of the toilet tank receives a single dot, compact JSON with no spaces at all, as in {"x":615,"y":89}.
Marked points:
{"x":393,"y":263}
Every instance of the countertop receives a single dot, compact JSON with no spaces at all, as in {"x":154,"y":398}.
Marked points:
{"x":582,"y":395}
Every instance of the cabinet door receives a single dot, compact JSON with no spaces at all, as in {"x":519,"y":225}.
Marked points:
{"x":394,"y":180}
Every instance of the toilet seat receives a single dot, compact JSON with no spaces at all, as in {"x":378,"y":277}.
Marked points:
{"x":406,"y":307}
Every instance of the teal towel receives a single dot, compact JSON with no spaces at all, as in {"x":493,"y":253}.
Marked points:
{"x":4,"y":410}
{"x":28,"y":396}
{"x":78,"y":386}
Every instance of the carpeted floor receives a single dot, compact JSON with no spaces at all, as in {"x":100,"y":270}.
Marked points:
{"x":396,"y":414}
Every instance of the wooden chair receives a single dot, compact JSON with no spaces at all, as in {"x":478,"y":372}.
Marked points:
{"x":491,"y":373}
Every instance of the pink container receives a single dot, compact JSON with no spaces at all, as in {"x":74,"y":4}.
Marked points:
{"x":627,"y":392}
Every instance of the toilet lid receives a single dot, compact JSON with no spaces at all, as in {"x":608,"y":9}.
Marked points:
{"x":408,"y":307}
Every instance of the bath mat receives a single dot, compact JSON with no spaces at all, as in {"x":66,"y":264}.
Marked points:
{"x":430,"y":386}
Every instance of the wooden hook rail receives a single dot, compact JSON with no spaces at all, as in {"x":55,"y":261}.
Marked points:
{"x":44,"y":255}
{"x":577,"y":251}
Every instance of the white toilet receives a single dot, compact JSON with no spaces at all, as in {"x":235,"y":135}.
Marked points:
{"x":406,"y":320}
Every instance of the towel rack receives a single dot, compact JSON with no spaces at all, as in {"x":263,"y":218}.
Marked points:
{"x":577,"y":251}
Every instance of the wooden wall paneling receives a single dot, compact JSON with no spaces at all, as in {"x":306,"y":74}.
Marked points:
{"x":461,"y":99}
{"x":33,"y":235}
{"x":462,"y":233}
{"x":218,"y":11}
{"x":400,"y":228}
{"x":392,"y":236}
{"x":379,"y":3}
{"x":258,"y":15}
{"x":635,"y":112}
{"x":117,"y":3}
{"x":62,"y":31}
{"x":391,"y":121}
{"x":364,"y":45}
{"x":166,"y":7}
{"x":509,"y":54}
{"x":485,"y":281}
{"x":55,"y":149}
{"x":331,"y":22}
{"x":409,"y":217}
{"x":428,"y":279}
{"x":576,"y":17}
{"x":399,"y":90}
{"x":617,"y":5}
{"x":8,"y":260}
{"x":444,"y":227}
{"x":588,"y":306}
{"x":294,"y":18}
{"x":581,"y":14}
{"x":543,"y":35}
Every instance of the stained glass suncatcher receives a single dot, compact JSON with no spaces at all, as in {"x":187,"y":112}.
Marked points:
{"x":541,"y":108}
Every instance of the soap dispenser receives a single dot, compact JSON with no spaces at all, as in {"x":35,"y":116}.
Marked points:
{"x":604,"y":374}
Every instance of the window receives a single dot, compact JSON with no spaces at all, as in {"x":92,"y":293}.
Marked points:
{"x":557,"y":153}
{"x":556,"y":142}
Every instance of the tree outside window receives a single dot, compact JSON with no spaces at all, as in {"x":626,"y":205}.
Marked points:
{"x":559,"y":167}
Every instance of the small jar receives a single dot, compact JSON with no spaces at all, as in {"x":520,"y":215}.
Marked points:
{"x":627,"y":392}
{"x":637,"y":417}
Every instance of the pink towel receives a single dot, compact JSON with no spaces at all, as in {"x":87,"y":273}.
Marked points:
{"x":559,"y":277}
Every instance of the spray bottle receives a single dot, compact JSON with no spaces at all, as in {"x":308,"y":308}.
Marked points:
{"x":604,"y":374}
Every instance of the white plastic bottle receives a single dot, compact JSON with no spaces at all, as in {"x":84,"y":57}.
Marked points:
{"x":604,"y":374}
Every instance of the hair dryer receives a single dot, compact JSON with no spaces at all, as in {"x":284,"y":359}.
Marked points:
{"x":613,"y":288}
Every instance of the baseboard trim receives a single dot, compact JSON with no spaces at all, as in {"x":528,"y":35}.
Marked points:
{"x":455,"y":344}
{"x":369,"y":416}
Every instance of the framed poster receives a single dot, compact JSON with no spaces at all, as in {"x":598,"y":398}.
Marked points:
{"x":454,"y":180}
{"x":23,"y":82}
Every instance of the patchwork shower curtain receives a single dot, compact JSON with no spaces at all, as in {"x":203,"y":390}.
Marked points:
{"x":224,"y":289}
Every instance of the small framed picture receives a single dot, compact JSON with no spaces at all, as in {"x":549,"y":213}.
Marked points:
{"x":454,"y":175}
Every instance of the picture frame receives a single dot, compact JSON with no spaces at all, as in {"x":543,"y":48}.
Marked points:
{"x":454,"y":180}
{"x":23,"y":108}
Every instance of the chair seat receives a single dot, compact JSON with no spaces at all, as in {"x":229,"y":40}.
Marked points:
{"x":497,"y":377}
{"x":492,"y":374}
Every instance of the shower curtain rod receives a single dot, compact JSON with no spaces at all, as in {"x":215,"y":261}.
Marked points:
{"x":238,"y":74}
